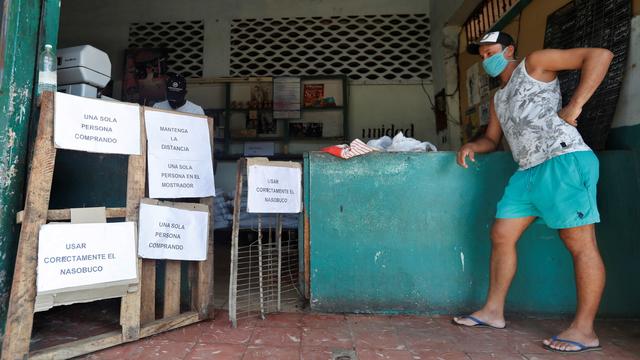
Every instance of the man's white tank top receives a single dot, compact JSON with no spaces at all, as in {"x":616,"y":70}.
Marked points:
{"x":528,"y":113}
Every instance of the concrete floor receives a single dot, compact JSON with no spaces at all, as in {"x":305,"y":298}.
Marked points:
{"x":326,"y":336}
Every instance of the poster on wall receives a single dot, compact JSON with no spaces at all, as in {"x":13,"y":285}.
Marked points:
{"x":84,"y":255}
{"x":274,"y":187}
{"x":97,"y":126}
{"x":286,"y":98}
{"x":145,"y":73}
{"x":179,"y":155}
{"x":176,"y":232}
{"x":473,"y":87}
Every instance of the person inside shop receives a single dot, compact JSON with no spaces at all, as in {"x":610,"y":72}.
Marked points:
{"x":557,"y":176}
{"x":176,"y":92}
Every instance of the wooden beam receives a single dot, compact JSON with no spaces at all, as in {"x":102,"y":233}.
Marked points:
{"x":171,"y":289}
{"x":65,"y":214}
{"x":171,"y":323}
{"x":80,"y":347}
{"x":23,"y":290}
{"x":103,"y":341}
{"x":202,"y":287}
{"x":136,"y":176}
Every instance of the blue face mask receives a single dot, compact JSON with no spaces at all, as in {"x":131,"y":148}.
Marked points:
{"x":495,"y":64}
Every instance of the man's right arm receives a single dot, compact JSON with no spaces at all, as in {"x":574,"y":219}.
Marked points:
{"x":487,"y":143}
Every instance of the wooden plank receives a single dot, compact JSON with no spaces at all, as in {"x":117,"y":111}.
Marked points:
{"x":235,"y":233}
{"x":171,"y":289}
{"x":148,"y":289}
{"x":167,"y":324}
{"x":23,"y":291}
{"x":65,"y":214}
{"x":131,"y":303}
{"x":307,"y":256}
{"x":202,"y":287}
{"x":80,"y":347}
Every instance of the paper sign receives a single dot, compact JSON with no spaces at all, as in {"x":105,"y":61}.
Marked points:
{"x":259,"y":148}
{"x":76,"y":255}
{"x":96,"y":126}
{"x":274,"y":189}
{"x":171,"y":233}
{"x":286,"y":98}
{"x":179,"y":155}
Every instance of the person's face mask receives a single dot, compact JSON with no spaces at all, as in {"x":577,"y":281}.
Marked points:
{"x":495,"y":64}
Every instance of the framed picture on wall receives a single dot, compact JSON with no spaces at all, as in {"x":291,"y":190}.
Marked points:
{"x":145,"y":75}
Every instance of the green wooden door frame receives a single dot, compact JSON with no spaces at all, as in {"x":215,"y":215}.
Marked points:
{"x":27,"y":24}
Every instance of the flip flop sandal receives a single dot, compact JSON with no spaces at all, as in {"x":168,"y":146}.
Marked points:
{"x":478,"y":323}
{"x":581,"y":347}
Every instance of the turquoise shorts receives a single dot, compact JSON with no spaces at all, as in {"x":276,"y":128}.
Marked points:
{"x":561,"y":191}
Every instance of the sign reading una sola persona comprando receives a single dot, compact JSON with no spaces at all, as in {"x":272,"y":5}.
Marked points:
{"x":96,"y":126}
{"x":167,"y":232}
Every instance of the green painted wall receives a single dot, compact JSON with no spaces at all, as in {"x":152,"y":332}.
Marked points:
{"x":20,"y":48}
{"x":30,"y":24}
{"x":390,"y":233}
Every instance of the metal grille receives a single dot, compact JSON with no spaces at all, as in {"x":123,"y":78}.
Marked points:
{"x":184,"y":41}
{"x":593,"y":23}
{"x":259,"y":268}
{"x":485,"y":16}
{"x":368,"y":47}
{"x":264,"y":266}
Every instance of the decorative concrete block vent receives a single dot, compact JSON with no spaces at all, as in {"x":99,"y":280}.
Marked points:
{"x":368,"y":47}
{"x":184,"y":41}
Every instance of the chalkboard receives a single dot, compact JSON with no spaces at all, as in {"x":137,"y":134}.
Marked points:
{"x":593,"y":23}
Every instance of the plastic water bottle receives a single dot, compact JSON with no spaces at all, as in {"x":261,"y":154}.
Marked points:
{"x":47,"y":80}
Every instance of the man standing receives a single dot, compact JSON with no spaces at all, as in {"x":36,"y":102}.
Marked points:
{"x":557,"y":175}
{"x":176,"y":92}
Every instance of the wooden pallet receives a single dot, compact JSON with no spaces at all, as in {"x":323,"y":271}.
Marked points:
{"x":137,"y":311}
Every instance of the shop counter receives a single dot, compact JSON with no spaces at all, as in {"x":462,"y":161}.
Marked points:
{"x":409,"y":233}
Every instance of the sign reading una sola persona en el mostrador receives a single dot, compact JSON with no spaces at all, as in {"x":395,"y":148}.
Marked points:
{"x":96,"y":126}
{"x":79,"y":255}
{"x":273,"y":187}
{"x":180,"y":161}
{"x":167,"y":232}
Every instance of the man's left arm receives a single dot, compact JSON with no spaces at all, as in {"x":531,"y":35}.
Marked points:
{"x":593,"y":63}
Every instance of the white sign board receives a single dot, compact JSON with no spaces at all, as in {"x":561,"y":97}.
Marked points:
{"x":171,"y":233}
{"x":261,"y":148}
{"x":96,"y":126}
{"x":79,"y":255}
{"x":179,"y":155}
{"x":274,"y":189}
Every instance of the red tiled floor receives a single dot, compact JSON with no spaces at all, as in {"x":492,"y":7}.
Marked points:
{"x":224,"y":335}
{"x":339,"y":338}
{"x":377,"y":339}
{"x":317,"y":336}
{"x":276,"y":337}
{"x":286,"y":320}
{"x":309,"y":353}
{"x":439,"y":355}
{"x":272,"y":353}
{"x":323,"y":321}
{"x":162,"y":349}
{"x":216,"y":351}
{"x":369,"y":354}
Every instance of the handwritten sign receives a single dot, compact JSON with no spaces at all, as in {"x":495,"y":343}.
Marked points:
{"x":96,"y":126}
{"x":171,"y":233}
{"x":274,"y":189}
{"x":179,"y":155}
{"x":75,"y":255}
